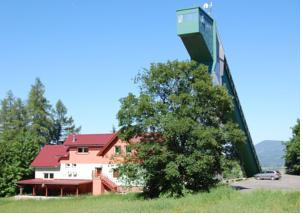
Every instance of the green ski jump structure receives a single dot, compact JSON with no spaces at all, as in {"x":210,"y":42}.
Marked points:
{"x":198,"y":31}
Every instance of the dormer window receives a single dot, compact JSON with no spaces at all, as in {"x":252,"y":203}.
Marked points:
{"x":82,"y":150}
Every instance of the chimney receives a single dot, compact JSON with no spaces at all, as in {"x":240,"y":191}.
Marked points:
{"x":74,"y":138}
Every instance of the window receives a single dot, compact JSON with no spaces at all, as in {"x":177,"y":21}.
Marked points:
{"x":128,"y":149}
{"x":48,"y":175}
{"x":98,"y":171}
{"x":67,"y":165}
{"x":83,"y":150}
{"x":116,"y":173}
{"x":180,"y":18}
{"x":74,"y":165}
{"x":189,"y":17}
{"x":201,"y":18}
{"x":117,"y":150}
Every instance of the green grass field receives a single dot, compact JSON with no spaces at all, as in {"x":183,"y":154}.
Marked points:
{"x":220,"y":199}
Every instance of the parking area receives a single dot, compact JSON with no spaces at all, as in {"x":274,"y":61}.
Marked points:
{"x":287,"y":183}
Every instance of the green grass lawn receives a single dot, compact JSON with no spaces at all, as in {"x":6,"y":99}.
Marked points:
{"x":220,"y":199}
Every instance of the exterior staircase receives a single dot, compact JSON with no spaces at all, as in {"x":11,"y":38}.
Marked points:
{"x":99,"y":181}
{"x":108,"y":183}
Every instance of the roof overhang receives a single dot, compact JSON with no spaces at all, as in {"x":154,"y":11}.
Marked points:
{"x":51,"y":167}
{"x":38,"y":181}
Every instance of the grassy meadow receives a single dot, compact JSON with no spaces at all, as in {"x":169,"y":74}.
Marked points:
{"x":220,"y":199}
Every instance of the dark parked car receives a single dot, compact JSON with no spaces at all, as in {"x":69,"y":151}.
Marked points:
{"x":271,"y":174}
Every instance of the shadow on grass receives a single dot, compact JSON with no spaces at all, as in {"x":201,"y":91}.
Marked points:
{"x":239,"y":187}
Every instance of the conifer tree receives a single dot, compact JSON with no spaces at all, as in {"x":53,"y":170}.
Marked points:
{"x":63,"y":125}
{"x":24,"y":128}
{"x":17,"y":151}
{"x":39,"y":113}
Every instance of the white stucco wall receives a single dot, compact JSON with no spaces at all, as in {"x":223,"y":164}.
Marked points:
{"x":80,"y":171}
{"x":39,"y":172}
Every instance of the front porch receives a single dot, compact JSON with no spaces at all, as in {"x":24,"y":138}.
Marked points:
{"x":56,"y":187}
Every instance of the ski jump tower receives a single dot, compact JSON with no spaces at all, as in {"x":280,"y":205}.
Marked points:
{"x":198,"y":32}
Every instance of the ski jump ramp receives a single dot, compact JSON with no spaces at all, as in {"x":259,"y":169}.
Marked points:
{"x":198,"y":31}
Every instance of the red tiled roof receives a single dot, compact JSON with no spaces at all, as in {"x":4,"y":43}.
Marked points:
{"x":54,"y":181}
{"x":49,"y":156}
{"x":89,"y":139}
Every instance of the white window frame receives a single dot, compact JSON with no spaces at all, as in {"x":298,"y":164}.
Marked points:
{"x":47,"y":174}
{"x":53,"y":175}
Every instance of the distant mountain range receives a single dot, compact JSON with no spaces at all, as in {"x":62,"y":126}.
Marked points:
{"x":270,"y":153}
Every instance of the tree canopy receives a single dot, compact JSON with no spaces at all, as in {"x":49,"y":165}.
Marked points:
{"x":292,"y":151}
{"x":185,"y":127}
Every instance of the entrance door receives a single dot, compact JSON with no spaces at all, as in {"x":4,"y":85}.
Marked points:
{"x":98,"y":171}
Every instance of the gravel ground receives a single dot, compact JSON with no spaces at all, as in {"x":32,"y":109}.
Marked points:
{"x":287,"y":183}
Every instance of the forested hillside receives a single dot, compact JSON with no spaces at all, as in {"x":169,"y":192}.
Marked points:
{"x":270,"y":153}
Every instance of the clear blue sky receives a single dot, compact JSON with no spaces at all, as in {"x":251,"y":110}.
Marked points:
{"x":88,"y":52}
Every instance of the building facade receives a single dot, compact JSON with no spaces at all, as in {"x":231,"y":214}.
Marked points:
{"x":85,"y":163}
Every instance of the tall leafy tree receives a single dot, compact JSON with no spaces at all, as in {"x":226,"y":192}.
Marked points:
{"x":7,"y":131}
{"x":292,"y":151}
{"x":8,"y":167}
{"x":17,"y":152}
{"x":184,"y":123}
{"x":63,"y":125}
{"x":39,"y":113}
